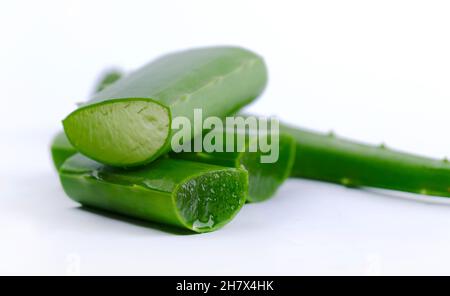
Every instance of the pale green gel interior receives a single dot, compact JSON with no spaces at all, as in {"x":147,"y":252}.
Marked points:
{"x":119,"y":132}
{"x":209,"y":201}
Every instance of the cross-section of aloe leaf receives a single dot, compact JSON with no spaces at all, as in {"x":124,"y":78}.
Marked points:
{"x":129,"y":122}
{"x":61,"y":148}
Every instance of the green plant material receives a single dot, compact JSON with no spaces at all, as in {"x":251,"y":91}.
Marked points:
{"x":61,"y":149}
{"x":107,"y":79}
{"x":328,"y":158}
{"x":129,"y":122}
{"x":264,"y":178}
{"x":195,"y":196}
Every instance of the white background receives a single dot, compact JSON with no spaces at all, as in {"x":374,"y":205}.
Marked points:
{"x":378,"y":71}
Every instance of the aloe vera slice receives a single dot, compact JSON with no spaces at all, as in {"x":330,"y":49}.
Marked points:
{"x":61,"y":148}
{"x":195,"y":196}
{"x":129,"y":122}
{"x":264,"y":178}
{"x":328,"y":158}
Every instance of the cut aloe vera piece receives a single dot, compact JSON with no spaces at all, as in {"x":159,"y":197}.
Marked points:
{"x":264,"y":178}
{"x":195,"y":196}
{"x":61,"y":148}
{"x":129,"y":122}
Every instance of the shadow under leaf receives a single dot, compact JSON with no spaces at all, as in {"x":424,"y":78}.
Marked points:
{"x":407,"y":196}
{"x":137,"y":222}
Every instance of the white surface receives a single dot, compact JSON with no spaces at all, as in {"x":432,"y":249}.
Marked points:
{"x":376,"y":71}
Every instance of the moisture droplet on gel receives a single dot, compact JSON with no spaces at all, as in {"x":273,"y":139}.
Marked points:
{"x":201,"y":225}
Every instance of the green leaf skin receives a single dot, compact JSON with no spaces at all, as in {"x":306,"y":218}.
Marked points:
{"x":195,"y":196}
{"x":264,"y":178}
{"x":61,"y":149}
{"x":328,"y":158}
{"x":129,"y":122}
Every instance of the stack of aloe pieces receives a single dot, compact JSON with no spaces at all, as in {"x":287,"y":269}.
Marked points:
{"x":115,"y":151}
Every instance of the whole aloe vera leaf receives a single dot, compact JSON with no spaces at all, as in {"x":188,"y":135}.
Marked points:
{"x":129,"y":122}
{"x":328,"y":158}
{"x":195,"y":196}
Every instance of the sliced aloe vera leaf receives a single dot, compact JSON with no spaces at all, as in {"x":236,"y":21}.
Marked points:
{"x":195,"y":196}
{"x":264,"y":178}
{"x":129,"y":122}
{"x":61,"y":149}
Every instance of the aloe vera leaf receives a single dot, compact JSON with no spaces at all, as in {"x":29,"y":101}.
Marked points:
{"x":61,"y":148}
{"x":195,"y":196}
{"x":329,"y":158}
{"x":107,"y":79}
{"x":129,"y":122}
{"x":264,"y":178}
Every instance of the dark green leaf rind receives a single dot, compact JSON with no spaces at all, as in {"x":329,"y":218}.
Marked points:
{"x":328,"y":158}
